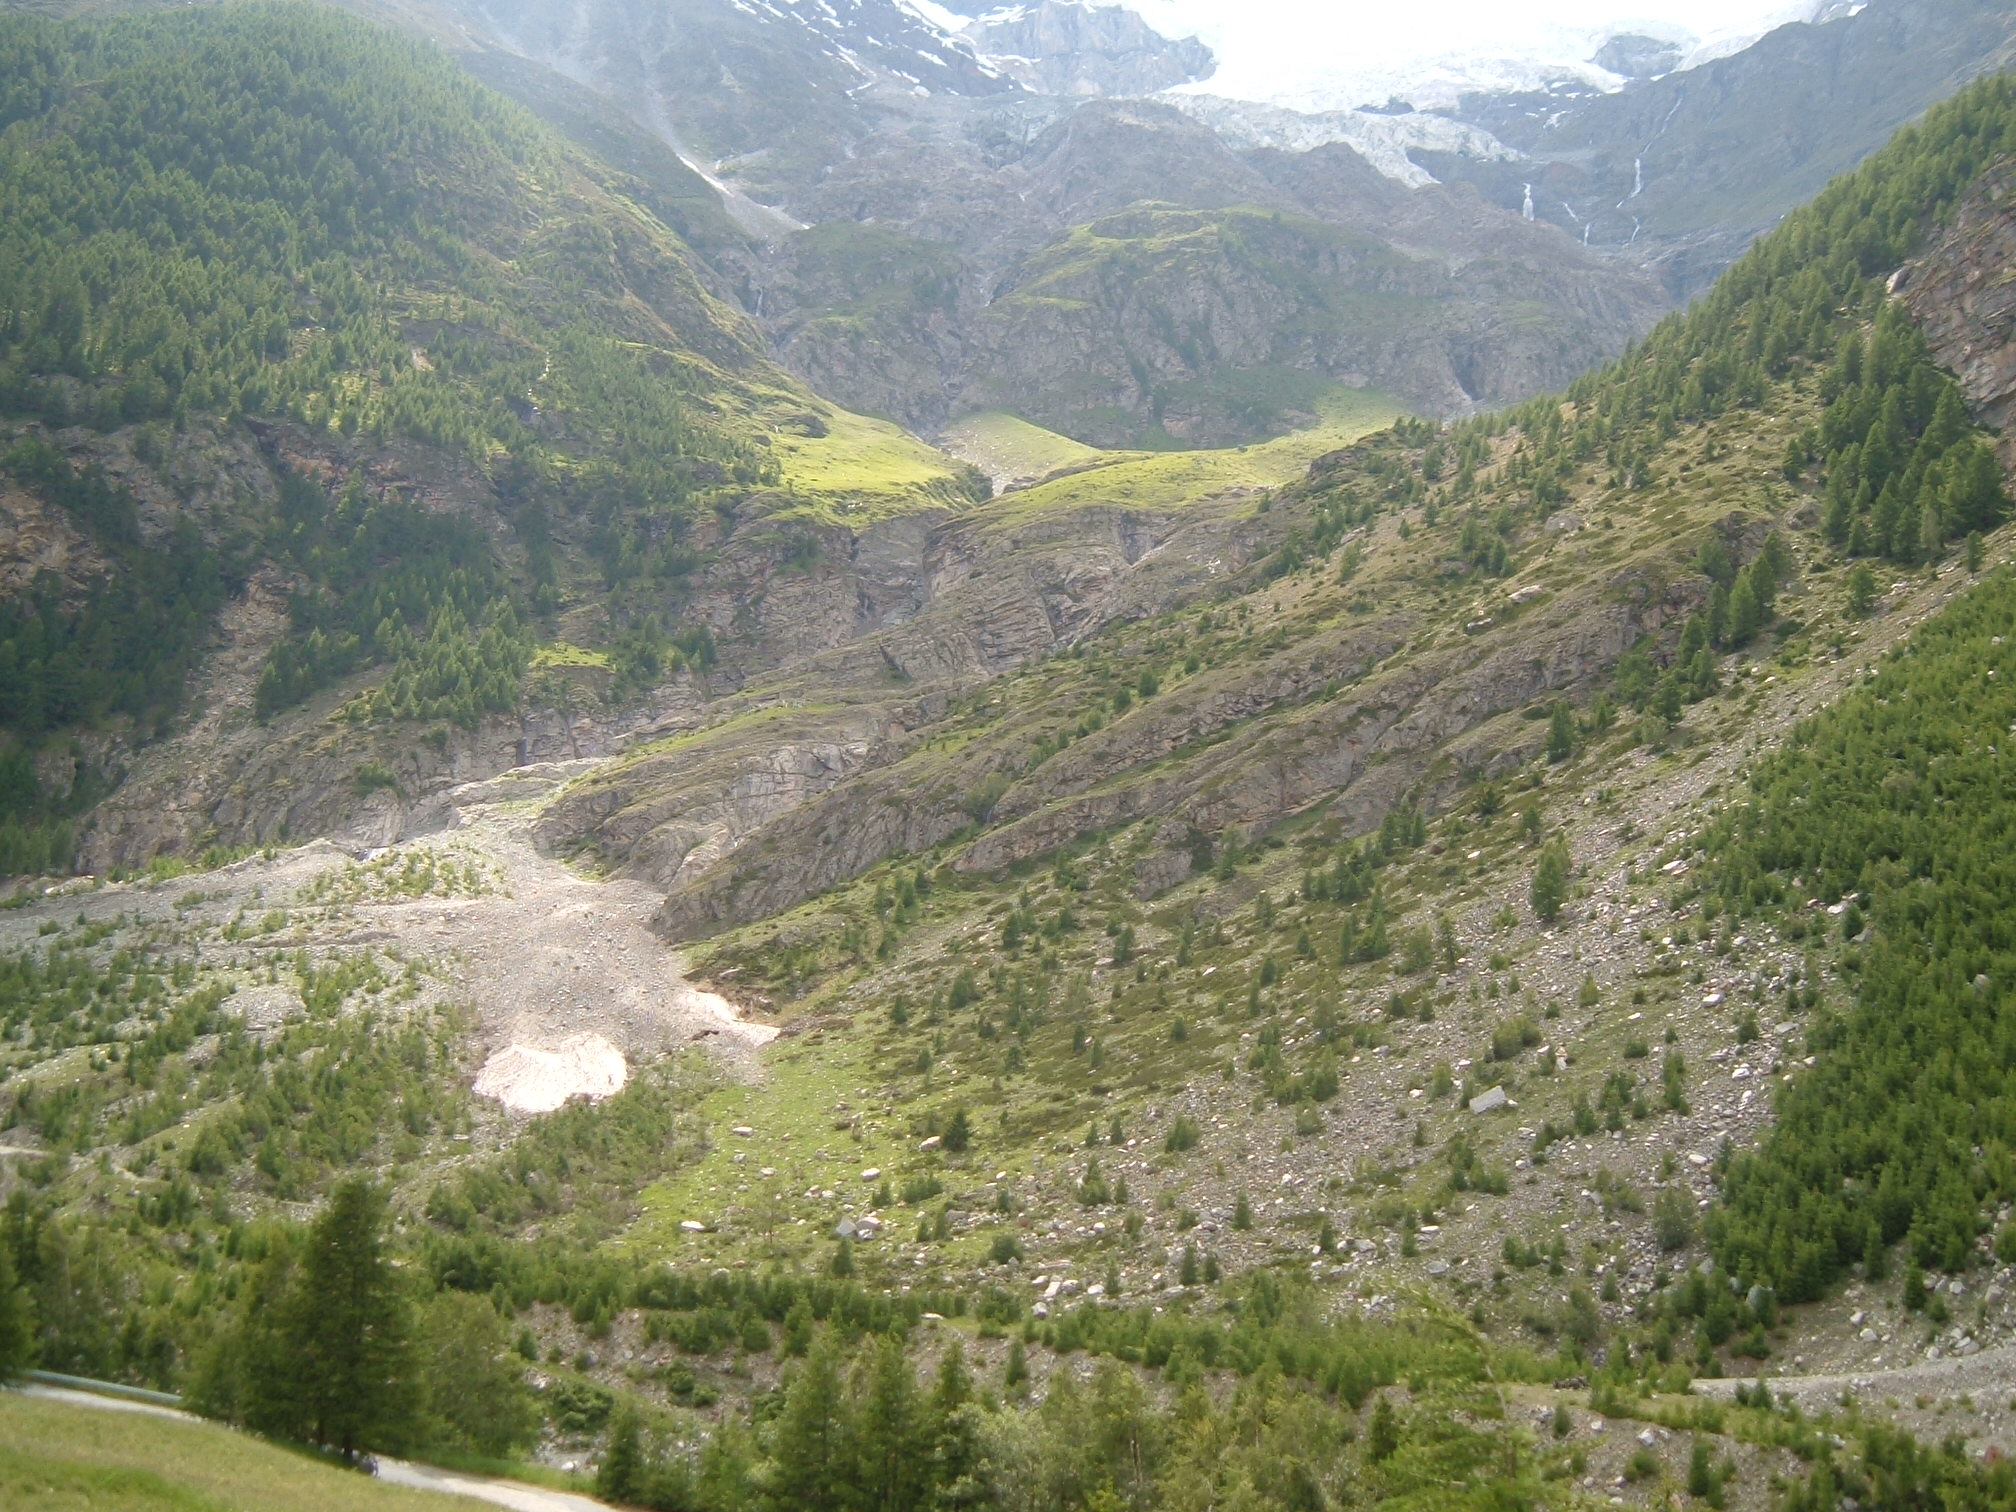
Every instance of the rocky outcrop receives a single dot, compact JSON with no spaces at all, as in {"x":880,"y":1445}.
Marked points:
{"x":1126,"y":278}
{"x":1070,"y":47}
{"x":1962,"y":291}
{"x":807,"y":778}
{"x":1313,"y":727}
{"x":1183,"y":321}
{"x":1354,"y":713}
{"x":1636,"y":56}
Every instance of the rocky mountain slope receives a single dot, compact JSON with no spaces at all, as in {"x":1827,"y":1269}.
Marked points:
{"x":906,"y":234}
{"x":1683,"y":170}
{"x":1145,"y":282}
{"x":458,"y":376}
{"x":1332,"y":928}
{"x":1069,"y":47}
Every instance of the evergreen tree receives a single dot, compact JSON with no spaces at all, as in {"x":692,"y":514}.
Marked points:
{"x":242,"y":1375}
{"x":1700,"y":1477}
{"x":1382,"y":1437}
{"x":1931,"y":531}
{"x":623,"y":1475}
{"x":958,"y":1450}
{"x":1550,"y":882}
{"x":891,"y":1441}
{"x":798,"y":1329}
{"x":1015,"y":1373}
{"x":810,"y":1440}
{"x":17,"y":1320}
{"x":341,"y":1373}
{"x":1746,"y":610}
{"x":472,"y":1380}
{"x":1861,"y":590}
{"x":1561,"y":732}
{"x":958,"y":1133}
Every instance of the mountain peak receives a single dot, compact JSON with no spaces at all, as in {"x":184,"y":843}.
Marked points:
{"x":1072,"y":47}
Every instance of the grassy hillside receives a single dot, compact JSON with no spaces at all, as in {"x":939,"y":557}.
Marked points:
{"x":55,"y":1457}
{"x":1493,"y":629}
{"x":1012,"y":450}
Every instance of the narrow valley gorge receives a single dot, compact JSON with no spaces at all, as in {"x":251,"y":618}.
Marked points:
{"x":787,"y":757}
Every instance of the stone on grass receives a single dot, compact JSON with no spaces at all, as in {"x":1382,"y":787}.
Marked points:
{"x":1490,"y":1101}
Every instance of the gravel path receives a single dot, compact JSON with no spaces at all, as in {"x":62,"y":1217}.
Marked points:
{"x":516,"y":1495}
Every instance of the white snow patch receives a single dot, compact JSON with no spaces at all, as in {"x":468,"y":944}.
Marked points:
{"x":526,"y":1080}
{"x":1336,"y":57}
{"x":936,"y":15}
{"x":1382,"y":140}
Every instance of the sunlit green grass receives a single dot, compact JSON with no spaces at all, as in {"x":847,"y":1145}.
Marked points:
{"x":1170,"y":480}
{"x":1007,"y":446}
{"x":56,"y":1457}
{"x":863,"y":468}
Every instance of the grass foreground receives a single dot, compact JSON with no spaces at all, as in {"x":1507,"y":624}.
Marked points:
{"x":55,"y":1457}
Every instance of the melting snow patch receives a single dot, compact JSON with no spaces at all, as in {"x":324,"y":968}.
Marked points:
{"x":538,"y":1081}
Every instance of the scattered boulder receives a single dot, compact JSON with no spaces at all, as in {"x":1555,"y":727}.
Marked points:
{"x":1490,"y":1101}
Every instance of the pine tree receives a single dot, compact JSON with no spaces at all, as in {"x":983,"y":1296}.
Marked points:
{"x":890,"y":1438}
{"x":1550,"y":882}
{"x":1700,"y":1477}
{"x":798,"y":1329}
{"x":1015,"y":1373}
{"x":475,"y":1396}
{"x":1931,"y":531}
{"x":1382,"y":1437}
{"x":1561,"y":732}
{"x":17,"y":1320}
{"x":958,"y":1133}
{"x":1746,"y":610}
{"x":623,"y":1475}
{"x":959,"y":1461}
{"x":1861,"y":590}
{"x":343,"y":1368}
{"x":811,"y":1438}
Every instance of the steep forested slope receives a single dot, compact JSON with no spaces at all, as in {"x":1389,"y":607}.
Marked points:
{"x":1894,"y":809}
{"x":282,"y":292}
{"x":276,"y":211}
